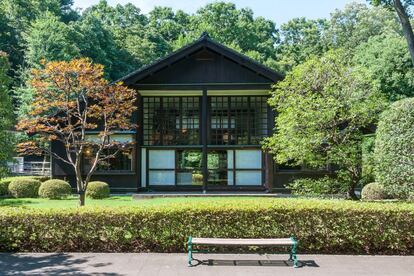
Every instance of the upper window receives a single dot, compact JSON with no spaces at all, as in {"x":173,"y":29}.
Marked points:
{"x":171,"y":120}
{"x":240,"y":120}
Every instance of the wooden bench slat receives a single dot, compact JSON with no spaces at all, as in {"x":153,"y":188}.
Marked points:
{"x":219,"y":241}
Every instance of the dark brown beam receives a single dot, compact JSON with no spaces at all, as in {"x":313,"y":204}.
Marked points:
{"x":204,"y":127}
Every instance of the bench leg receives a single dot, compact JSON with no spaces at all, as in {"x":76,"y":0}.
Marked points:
{"x":293,"y":254}
{"x":190,"y":251}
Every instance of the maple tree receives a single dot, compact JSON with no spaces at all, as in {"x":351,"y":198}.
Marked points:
{"x":72,"y":98}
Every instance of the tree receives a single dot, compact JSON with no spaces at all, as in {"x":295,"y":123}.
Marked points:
{"x":72,"y":98}
{"x":236,"y":28}
{"x":20,"y":14}
{"x":402,"y":9}
{"x":302,"y":38}
{"x":6,"y":115}
{"x":168,"y":23}
{"x":323,"y":107}
{"x":139,"y":42}
{"x":356,"y":23}
{"x":394,"y":151}
{"x":49,"y":39}
{"x":389,"y":62}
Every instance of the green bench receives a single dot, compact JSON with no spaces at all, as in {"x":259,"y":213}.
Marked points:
{"x":242,"y":242}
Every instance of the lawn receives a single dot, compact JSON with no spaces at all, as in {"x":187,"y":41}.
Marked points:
{"x":127,"y":200}
{"x":119,"y":201}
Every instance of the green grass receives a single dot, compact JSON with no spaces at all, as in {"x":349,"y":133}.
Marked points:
{"x":114,"y":201}
{"x":120,"y":201}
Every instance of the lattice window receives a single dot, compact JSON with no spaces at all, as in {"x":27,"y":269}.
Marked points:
{"x":171,"y":120}
{"x":240,"y":120}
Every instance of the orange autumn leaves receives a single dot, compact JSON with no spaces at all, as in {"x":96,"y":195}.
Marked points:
{"x":71,"y":98}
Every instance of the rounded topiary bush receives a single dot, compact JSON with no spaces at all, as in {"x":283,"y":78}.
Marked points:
{"x":394,"y":150}
{"x":24,"y":187}
{"x":97,"y":190}
{"x":4,"y":187}
{"x":54,"y":189}
{"x":373,"y":191}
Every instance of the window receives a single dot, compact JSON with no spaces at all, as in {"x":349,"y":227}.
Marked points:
{"x":240,"y":120}
{"x":248,"y":167}
{"x":188,"y":167}
{"x":235,"y":167}
{"x":161,"y":165}
{"x":118,"y":161}
{"x":174,"y":167}
{"x":171,"y":120}
{"x":219,"y":165}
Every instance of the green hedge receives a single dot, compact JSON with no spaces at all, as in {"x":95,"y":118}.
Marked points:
{"x":4,"y":187}
{"x":324,"y":226}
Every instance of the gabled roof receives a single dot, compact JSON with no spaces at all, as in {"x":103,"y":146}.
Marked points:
{"x":204,"y":42}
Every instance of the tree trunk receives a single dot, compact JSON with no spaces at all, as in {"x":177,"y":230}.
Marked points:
{"x":406,"y":26}
{"x":351,"y":192}
{"x":81,"y":198}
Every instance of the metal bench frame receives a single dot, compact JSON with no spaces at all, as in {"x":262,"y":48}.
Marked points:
{"x":292,"y":254}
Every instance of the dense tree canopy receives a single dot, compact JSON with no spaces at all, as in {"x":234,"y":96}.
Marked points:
{"x":388,"y":60}
{"x":323,"y":107}
{"x":6,"y":116}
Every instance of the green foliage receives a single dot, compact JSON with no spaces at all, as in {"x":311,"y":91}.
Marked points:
{"x":317,"y":187}
{"x":389,"y":62}
{"x":236,"y":28}
{"x":368,"y":160}
{"x":24,"y":187}
{"x":302,"y":38}
{"x":394,"y":152}
{"x":323,"y":106}
{"x":357,"y":22}
{"x":6,"y":116}
{"x":49,"y":39}
{"x":4,"y":187}
{"x":321,"y":226}
{"x":373,"y":191}
{"x":55,"y":189}
{"x":97,"y":190}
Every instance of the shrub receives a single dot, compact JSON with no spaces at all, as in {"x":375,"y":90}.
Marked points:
{"x":25,"y":187}
{"x":41,"y":178}
{"x":54,"y":189}
{"x":97,"y":190}
{"x":4,"y":187}
{"x":316,"y":187}
{"x":373,"y":191}
{"x":321,"y":226}
{"x":394,"y":153}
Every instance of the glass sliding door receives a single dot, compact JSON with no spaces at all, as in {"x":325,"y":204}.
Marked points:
{"x":188,"y":170}
{"x":248,"y":167}
{"x":220,"y":167}
{"x":161,"y":167}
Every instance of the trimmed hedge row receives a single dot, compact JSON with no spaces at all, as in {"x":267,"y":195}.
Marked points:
{"x":324,"y":226}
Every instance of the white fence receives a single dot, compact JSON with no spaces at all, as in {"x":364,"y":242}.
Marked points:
{"x":21,"y":167}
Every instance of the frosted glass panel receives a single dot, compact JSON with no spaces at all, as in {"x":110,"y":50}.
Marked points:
{"x":161,"y":178}
{"x":230,"y":159}
{"x":230,"y":178}
{"x":161,"y":159}
{"x":253,"y":178}
{"x":248,"y":159}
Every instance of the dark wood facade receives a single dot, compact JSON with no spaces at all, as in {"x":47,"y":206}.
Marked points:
{"x":205,"y":103}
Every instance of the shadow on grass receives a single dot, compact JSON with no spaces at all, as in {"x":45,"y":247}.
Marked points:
{"x":46,"y":264}
{"x":281,"y":263}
